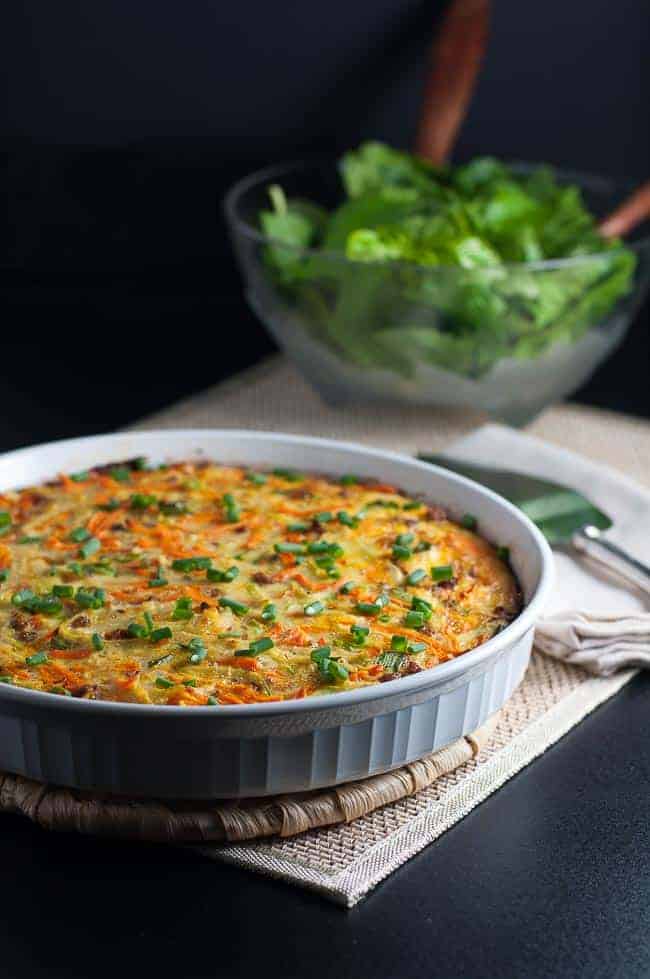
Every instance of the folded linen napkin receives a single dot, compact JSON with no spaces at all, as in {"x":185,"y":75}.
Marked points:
{"x":594,"y":620}
{"x":601,"y":644}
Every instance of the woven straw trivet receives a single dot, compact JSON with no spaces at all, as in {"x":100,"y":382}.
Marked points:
{"x":64,"y":809}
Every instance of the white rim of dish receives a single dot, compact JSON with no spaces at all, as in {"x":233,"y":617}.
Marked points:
{"x":437,"y":675}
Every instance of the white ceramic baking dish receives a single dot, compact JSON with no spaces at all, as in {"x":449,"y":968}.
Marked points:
{"x":263,"y":749}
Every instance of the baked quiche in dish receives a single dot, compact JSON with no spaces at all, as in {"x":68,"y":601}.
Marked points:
{"x":195,"y":583}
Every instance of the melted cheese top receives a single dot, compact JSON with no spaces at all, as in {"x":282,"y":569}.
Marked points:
{"x":196,"y":583}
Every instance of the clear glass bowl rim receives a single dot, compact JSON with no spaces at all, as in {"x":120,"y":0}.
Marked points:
{"x":231,"y":200}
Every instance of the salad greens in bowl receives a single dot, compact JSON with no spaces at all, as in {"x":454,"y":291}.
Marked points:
{"x":484,"y":284}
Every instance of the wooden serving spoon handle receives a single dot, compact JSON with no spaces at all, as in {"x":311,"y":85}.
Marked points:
{"x":627,"y":215}
{"x":456,"y":55}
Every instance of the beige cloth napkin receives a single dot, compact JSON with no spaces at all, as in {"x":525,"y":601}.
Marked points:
{"x":601,"y":643}
{"x":594,"y":620}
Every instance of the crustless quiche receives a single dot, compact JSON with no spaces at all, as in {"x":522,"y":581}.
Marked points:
{"x":196,"y":583}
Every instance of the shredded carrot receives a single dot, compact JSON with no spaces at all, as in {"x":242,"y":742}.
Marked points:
{"x":99,"y":522}
{"x":244,"y":662}
{"x":70,"y":653}
{"x":187,"y":695}
{"x":193,"y":591}
{"x":302,"y":580}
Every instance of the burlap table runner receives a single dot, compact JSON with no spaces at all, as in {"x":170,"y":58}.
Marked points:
{"x":344,"y":862}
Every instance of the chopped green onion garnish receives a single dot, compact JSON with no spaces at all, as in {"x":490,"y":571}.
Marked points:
{"x":320,"y":654}
{"x":157,"y":634}
{"x":289,"y":547}
{"x":29,"y":540}
{"x":404,"y":540}
{"x":137,"y":631}
{"x":504,"y":554}
{"x":469,"y":522}
{"x":90,"y":597}
{"x":416,"y":576}
{"x":190,"y":683}
{"x":36,"y":659}
{"x":79,"y":534}
{"x":214,"y":574}
{"x":231,"y":510}
{"x":420,"y":605}
{"x":90,"y":547}
{"x":198,"y":652}
{"x":140,"y":501}
{"x":211,"y":701}
{"x":444,"y":572}
{"x":424,"y":545}
{"x":349,"y":480}
{"x":314,"y":608}
{"x":323,"y":517}
{"x":391,"y":661}
{"x":415,"y":620}
{"x":417,"y":647}
{"x":80,"y":477}
{"x":336,"y":670}
{"x":401,"y":553}
{"x":269,"y":612}
{"x":172,"y":508}
{"x":61,"y":691}
{"x":298,"y":527}
{"x":162,"y":681}
{"x":346,"y":588}
{"x":120,"y":473}
{"x":182,"y":610}
{"x":260,"y":646}
{"x":45,"y":604}
{"x":6,"y":679}
{"x":398,"y":644}
{"x":382,"y":600}
{"x":4,"y":574}
{"x":63,"y":591}
{"x":329,"y":669}
{"x":140,"y":463}
{"x":110,"y":506}
{"x":347,"y":520}
{"x":413,"y":505}
{"x":368,"y":608}
{"x":158,"y":582}
{"x":97,"y":641}
{"x":237,"y":607}
{"x":324,"y":547}
{"x":359,"y":634}
{"x":257,"y":479}
{"x":187,"y":564}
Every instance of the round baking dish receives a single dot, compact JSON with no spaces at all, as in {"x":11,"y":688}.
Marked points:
{"x":234,"y":751}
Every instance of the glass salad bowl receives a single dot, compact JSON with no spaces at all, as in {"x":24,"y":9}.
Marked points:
{"x":503,"y":338}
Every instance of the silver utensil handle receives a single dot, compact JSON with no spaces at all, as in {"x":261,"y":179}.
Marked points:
{"x":589,"y":541}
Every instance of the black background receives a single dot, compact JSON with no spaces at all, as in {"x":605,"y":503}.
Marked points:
{"x":127,"y":121}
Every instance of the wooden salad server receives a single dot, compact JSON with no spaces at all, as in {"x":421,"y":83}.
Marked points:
{"x":456,"y":56}
{"x":628,"y":215}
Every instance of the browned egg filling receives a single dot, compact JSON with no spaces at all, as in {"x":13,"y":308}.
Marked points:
{"x":197,"y":583}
